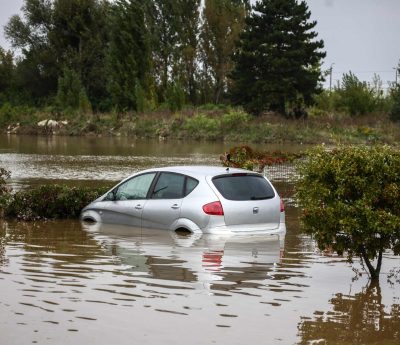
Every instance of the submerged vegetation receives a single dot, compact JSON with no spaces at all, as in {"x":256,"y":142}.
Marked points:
{"x":44,"y":202}
{"x":349,"y":196}
{"x":246,"y":158}
{"x":356,"y":192}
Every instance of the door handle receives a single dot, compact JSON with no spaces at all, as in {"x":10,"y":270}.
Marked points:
{"x":175,"y":206}
{"x":138,"y":207}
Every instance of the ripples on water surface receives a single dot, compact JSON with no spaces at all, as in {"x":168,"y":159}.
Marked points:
{"x":64,"y":283}
{"x":33,"y":160}
{"x":67,"y":283}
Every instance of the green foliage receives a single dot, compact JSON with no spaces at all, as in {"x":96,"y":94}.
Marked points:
{"x":351,"y":201}
{"x":201,"y":126}
{"x":278,"y":57}
{"x":7,"y":74}
{"x":212,"y":107}
{"x":355,"y":96}
{"x":189,"y":33}
{"x":223,"y":22}
{"x":140,"y":97}
{"x":395,"y":109}
{"x":5,"y":191}
{"x":175,"y":97}
{"x":128,"y":55}
{"x":55,"y":34}
{"x":7,"y":114}
{"x":145,"y":127}
{"x":174,"y":30}
{"x":326,"y":102}
{"x":79,"y":56}
{"x":234,"y":120}
{"x":71,"y":94}
{"x":84,"y":105}
{"x":51,"y":202}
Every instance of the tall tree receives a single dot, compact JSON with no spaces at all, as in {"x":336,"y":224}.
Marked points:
{"x":7,"y":75}
{"x":278,"y":57}
{"x":223,"y":21}
{"x":29,"y":34}
{"x":129,"y":55}
{"x":79,"y":37}
{"x":55,"y":34}
{"x":188,"y":37}
{"x":165,"y":20}
{"x":174,"y":27}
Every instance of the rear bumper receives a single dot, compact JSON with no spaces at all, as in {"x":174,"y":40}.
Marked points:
{"x":217,"y":226}
{"x":244,"y":229}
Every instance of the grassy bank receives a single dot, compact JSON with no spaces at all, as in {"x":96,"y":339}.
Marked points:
{"x":210,"y":122}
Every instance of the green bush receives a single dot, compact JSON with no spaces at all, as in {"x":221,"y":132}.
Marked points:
{"x":201,"y":126}
{"x":51,"y":202}
{"x":5,"y":191}
{"x":395,"y":110}
{"x":212,"y":107}
{"x":355,"y":96}
{"x":352,"y":97}
{"x":146,"y":127}
{"x":326,"y":102}
{"x":234,"y":120}
{"x":8,"y":114}
{"x":351,"y":201}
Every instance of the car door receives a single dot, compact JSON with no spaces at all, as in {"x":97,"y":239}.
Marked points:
{"x":163,"y":207}
{"x":124,"y":205}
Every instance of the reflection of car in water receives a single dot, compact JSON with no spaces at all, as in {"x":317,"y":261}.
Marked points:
{"x":190,"y":257}
{"x":197,"y":199}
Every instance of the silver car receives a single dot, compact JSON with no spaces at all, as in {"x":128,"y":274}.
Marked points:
{"x":203,"y":199}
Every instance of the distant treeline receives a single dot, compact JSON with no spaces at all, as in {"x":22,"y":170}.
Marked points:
{"x":140,"y":55}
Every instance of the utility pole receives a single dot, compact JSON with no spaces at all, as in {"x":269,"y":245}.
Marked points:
{"x":396,"y":70}
{"x":330,"y":77}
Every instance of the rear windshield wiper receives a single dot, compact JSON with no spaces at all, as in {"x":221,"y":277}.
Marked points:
{"x":259,"y":197}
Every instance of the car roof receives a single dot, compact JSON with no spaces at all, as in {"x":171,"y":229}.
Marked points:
{"x":196,"y":170}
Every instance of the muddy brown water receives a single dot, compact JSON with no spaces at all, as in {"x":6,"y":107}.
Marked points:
{"x":35,"y":160}
{"x":63,"y":282}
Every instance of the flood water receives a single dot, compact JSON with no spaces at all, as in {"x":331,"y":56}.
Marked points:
{"x":63,"y":282}
{"x":34,"y":160}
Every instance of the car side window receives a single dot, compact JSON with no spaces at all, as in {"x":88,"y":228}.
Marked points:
{"x":191,"y":184}
{"x":169,"y":186}
{"x":135,"y":188}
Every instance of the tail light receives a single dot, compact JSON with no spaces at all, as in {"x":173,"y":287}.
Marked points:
{"x":282,"y":206}
{"x":214,"y":209}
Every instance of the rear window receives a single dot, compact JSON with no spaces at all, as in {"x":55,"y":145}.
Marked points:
{"x":243,"y":187}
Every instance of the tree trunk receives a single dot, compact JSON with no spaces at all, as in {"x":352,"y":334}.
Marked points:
{"x":374,"y":272}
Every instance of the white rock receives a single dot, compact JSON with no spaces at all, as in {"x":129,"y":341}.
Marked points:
{"x":52,"y":124}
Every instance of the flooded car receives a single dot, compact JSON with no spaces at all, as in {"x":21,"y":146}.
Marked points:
{"x":194,"y":198}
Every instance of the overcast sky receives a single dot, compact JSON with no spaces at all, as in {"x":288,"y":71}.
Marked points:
{"x":359,"y":35}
